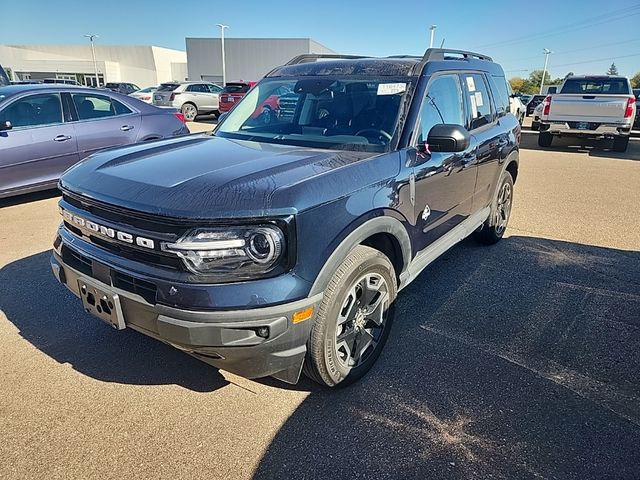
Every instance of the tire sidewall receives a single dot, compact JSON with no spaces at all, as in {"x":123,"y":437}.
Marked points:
{"x":338,"y":373}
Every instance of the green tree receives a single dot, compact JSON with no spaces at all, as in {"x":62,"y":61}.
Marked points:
{"x":535,"y":78}
{"x":635,"y":81}
{"x":613,"y":70}
{"x":517,"y":84}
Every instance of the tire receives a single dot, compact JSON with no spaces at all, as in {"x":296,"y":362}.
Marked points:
{"x":267,"y":117}
{"x":494,"y":227}
{"x":620,"y":143}
{"x":190,"y":111}
{"x":545,"y":139}
{"x":335,"y":355}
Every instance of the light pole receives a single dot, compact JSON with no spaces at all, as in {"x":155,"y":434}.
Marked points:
{"x":93,"y":54}
{"x":224,"y":66}
{"x":546,"y":52}
{"x":433,"y":32}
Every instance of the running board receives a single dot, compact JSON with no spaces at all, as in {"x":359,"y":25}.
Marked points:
{"x":444,"y":243}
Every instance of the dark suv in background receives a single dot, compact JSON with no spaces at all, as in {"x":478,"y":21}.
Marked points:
{"x":272,"y":248}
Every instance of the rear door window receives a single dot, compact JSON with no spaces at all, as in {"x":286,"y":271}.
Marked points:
{"x":91,"y":107}
{"x":478,"y":100}
{"x":34,"y":111}
{"x":198,"y":88}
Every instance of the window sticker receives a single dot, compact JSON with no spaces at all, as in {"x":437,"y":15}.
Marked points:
{"x":474,"y":106}
{"x":479,"y":102}
{"x":391,"y":88}
{"x":471,"y":85}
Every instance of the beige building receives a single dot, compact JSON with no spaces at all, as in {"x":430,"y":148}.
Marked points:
{"x":142,"y":65}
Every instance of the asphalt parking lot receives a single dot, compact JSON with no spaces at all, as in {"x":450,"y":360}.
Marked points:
{"x":515,"y":361}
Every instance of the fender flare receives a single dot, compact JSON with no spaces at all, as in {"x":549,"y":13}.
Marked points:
{"x":383,"y":224}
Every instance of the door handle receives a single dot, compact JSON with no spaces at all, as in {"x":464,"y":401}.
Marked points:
{"x":62,"y":138}
{"x":126,"y":128}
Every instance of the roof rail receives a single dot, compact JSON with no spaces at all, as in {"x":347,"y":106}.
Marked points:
{"x":313,"y":57}
{"x":441,"y":54}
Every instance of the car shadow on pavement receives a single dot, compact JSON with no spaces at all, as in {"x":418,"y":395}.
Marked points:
{"x":516,"y":361}
{"x":29,"y":197}
{"x":594,"y":148}
{"x":52,"y":319}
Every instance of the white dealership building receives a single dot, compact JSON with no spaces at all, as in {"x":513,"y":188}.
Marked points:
{"x":143,"y":65}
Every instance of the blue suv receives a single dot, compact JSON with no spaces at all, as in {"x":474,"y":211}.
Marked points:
{"x":273,"y":248}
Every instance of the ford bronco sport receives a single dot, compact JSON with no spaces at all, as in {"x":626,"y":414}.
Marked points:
{"x":272,"y":249}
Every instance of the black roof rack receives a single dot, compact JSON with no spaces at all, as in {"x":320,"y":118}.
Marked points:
{"x":313,"y":57}
{"x":444,"y":54}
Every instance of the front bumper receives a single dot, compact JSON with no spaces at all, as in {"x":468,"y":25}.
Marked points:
{"x":600,"y":130}
{"x":226,"y":339}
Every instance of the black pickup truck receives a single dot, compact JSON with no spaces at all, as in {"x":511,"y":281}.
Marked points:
{"x":272,"y":248}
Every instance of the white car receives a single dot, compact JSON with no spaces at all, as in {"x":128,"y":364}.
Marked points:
{"x":518,"y":108}
{"x":145,"y":94}
{"x":191,"y":98}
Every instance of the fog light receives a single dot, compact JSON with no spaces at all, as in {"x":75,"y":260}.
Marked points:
{"x":262,"y":332}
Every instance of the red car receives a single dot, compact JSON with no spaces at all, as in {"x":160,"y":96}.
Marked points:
{"x":234,"y":91}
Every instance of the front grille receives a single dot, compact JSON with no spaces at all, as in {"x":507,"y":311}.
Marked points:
{"x":82,"y":264}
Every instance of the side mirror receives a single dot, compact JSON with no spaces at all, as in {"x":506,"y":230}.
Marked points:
{"x":5,"y":125}
{"x":448,"y":138}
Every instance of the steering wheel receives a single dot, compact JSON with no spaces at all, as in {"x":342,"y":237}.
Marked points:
{"x":381,"y":133}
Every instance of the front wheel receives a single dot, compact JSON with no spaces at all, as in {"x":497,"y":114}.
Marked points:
{"x":354,"y":319}
{"x":494,"y":227}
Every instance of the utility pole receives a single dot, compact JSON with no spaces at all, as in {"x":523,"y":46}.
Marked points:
{"x":432,"y":28}
{"x":546,"y":52}
{"x":93,"y":54}
{"x":224,"y":66}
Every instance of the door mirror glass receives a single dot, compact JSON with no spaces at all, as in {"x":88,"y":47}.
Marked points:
{"x":5,"y":125}
{"x":448,"y":138}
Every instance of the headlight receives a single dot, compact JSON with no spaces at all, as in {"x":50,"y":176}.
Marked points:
{"x":237,"y":251}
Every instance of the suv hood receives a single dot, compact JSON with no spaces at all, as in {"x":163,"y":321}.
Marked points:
{"x":202,"y":176}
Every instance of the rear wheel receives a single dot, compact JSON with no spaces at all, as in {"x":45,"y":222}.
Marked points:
{"x":190,"y":111}
{"x":354,"y":319}
{"x":620,"y":144}
{"x":494,"y":227}
{"x":545,"y":139}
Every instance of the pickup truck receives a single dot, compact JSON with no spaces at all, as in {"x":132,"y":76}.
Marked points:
{"x":271,"y":249}
{"x":590,"y":106}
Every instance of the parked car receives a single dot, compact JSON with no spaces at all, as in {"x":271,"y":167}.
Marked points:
{"x":231,"y":93}
{"x":4,"y":78}
{"x":122,"y":87}
{"x":524,"y":98}
{"x":590,"y":106}
{"x":271,"y":250}
{"x":145,"y":95}
{"x":191,"y":98}
{"x":636,"y":123}
{"x":534,"y":102}
{"x":60,"y":81}
{"x":44,"y":129}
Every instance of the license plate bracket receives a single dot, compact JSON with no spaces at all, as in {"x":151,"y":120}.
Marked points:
{"x":582,"y":126}
{"x":101,"y":303}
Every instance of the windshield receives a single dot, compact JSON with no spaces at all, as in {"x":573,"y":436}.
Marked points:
{"x":614,"y":86}
{"x":321,"y":112}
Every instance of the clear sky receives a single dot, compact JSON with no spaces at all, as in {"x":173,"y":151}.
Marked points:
{"x":586,"y":35}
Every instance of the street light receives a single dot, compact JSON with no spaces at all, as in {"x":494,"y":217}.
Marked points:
{"x":224,"y":72}
{"x":546,"y":52}
{"x":433,"y":32}
{"x":91,"y":36}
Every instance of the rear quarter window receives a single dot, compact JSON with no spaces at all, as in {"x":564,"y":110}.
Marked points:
{"x":500,"y":92}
